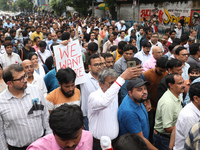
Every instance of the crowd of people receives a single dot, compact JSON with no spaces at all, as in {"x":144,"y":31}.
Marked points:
{"x":142,"y":88}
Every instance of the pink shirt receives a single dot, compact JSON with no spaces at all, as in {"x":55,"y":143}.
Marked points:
{"x":36,"y":48}
{"x":48,"y":142}
{"x":149,"y":64}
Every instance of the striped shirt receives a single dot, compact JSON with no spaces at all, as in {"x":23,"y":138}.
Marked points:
{"x":17,"y":127}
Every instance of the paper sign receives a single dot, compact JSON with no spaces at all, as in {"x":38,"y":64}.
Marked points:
{"x":70,"y":56}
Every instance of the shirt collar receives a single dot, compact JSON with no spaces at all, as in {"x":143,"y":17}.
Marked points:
{"x":132,"y":102}
{"x":10,"y":95}
{"x":173,"y":96}
{"x":194,"y":58}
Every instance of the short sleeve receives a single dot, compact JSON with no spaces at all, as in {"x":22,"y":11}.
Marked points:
{"x":131,"y":122}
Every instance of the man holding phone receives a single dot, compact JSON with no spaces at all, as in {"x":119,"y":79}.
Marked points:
{"x":121,"y":65}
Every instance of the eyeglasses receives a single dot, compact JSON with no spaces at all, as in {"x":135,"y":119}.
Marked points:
{"x":98,"y":65}
{"x":21,"y":79}
{"x":185,"y":54}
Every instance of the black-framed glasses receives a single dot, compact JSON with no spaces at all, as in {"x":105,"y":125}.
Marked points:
{"x":21,"y":79}
{"x":98,"y":65}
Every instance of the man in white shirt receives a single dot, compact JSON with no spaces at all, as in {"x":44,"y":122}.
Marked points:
{"x":103,"y":104}
{"x":178,"y":30}
{"x":144,"y":54}
{"x":121,"y":26}
{"x":109,"y":43}
{"x":135,"y":26}
{"x":172,"y":35}
{"x":182,"y":55}
{"x":42,"y":53}
{"x":154,"y":42}
{"x":2,"y":48}
{"x":92,"y":39}
{"x":9,"y":57}
{"x":188,"y":116}
{"x":34,"y":78}
{"x":95,"y":65}
{"x":121,"y":37}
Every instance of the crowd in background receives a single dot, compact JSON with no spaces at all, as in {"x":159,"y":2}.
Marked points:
{"x":142,"y":88}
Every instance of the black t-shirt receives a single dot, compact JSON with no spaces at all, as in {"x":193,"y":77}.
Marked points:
{"x":25,"y":53}
{"x":49,"y":63}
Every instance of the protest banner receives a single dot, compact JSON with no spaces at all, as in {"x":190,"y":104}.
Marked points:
{"x":70,"y":56}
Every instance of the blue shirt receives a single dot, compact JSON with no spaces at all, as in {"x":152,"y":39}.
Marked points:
{"x":187,"y":98}
{"x":51,"y":80}
{"x":133,"y":118}
{"x":51,"y":42}
{"x":10,"y":25}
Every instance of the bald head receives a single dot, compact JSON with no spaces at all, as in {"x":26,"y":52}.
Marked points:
{"x":28,"y":67}
{"x":157,"y":52}
{"x":54,"y":37}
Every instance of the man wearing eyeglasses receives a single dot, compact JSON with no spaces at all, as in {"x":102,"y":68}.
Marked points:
{"x":34,"y":78}
{"x":182,"y":54}
{"x":23,"y":111}
{"x":154,"y":42}
{"x":95,"y":65}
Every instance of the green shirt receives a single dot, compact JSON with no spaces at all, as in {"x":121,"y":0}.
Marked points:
{"x":168,"y":109}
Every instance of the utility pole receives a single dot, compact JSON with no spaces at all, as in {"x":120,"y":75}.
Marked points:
{"x":92,"y":7}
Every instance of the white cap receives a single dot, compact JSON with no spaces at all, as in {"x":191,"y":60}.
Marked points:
{"x":122,"y":21}
{"x":105,"y":143}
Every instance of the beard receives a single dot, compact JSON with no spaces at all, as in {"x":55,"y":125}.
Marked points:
{"x":141,"y":100}
{"x":68,"y":94}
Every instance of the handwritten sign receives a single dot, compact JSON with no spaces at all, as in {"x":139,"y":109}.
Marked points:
{"x":70,"y":56}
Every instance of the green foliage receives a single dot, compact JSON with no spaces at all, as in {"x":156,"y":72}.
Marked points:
{"x":81,"y":6}
{"x":3,"y":5}
{"x":25,"y":4}
{"x":58,"y":6}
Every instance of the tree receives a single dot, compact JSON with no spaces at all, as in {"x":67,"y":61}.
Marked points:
{"x":111,"y":5}
{"x":81,"y":6}
{"x":25,"y":4}
{"x":58,"y":6}
{"x":3,"y":5}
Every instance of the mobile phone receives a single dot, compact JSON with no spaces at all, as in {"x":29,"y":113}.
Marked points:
{"x":131,"y":64}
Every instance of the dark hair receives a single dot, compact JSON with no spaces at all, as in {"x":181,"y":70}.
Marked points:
{"x":130,"y":141}
{"x":54,"y":44}
{"x":66,"y":120}
{"x":43,"y":44}
{"x":184,"y":37}
{"x":170,"y":78}
{"x":110,"y":35}
{"x":35,"y":39}
{"x":128,"y":47}
{"x":93,"y":56}
{"x":8,"y":44}
{"x":114,"y":33}
{"x":121,"y":45}
{"x":38,"y":27}
{"x":58,"y":31}
{"x":133,"y":37}
{"x":113,"y":48}
{"x":194,"y":68}
{"x":138,"y":61}
{"x":48,"y":33}
{"x":194,"y":48}
{"x":106,"y":55}
{"x":194,"y":90}
{"x":24,"y":33}
{"x":180,"y":48}
{"x":173,"y":63}
{"x":65,"y":75}
{"x":12,"y":31}
{"x":65,"y":36}
{"x":167,"y":30}
{"x":31,"y":54}
{"x":161,"y":62}
{"x":146,"y":44}
{"x":172,"y":32}
{"x":93,"y":46}
{"x":86,"y":37}
{"x":26,"y":41}
{"x":8,"y":38}
{"x":171,"y":46}
{"x":177,"y":40}
{"x":7,"y":73}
